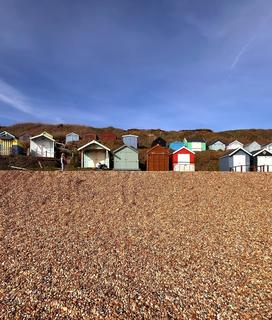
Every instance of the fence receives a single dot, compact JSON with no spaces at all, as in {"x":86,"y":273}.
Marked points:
{"x":264,"y":168}
{"x":242,"y":168}
{"x":246,"y":168}
{"x":184,"y":167}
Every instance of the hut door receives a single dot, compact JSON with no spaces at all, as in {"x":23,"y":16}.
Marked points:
{"x":6,"y":148}
{"x":264,"y":163}
{"x":99,"y":157}
{"x":183,"y":158}
{"x":239,"y":162}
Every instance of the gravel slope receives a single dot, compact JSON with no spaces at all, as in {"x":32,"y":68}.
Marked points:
{"x":139,"y":245}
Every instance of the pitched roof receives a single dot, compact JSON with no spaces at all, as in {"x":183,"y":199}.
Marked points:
{"x":7,"y":135}
{"x":248,"y":144}
{"x":184,"y":148}
{"x":156,"y":146}
{"x":266,"y":145}
{"x":125,"y":146}
{"x":235,"y":141}
{"x":214,"y":141}
{"x":256,"y":152}
{"x":232,"y":152}
{"x":25,"y":134}
{"x":195,"y":139}
{"x":130,"y":135}
{"x":176,"y":142}
{"x":68,"y":134}
{"x":44,"y":134}
{"x":93,"y":142}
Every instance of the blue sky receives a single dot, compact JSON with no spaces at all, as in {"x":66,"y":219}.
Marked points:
{"x":170,"y":64}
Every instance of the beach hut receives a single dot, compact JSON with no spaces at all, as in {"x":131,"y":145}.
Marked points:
{"x":267,"y":146}
{"x":10,"y":145}
{"x":130,"y":140}
{"x":217,"y":145}
{"x":262,"y":160}
{"x":25,"y":137}
{"x":42,"y":145}
{"x":176,"y":145}
{"x":253,"y":146}
{"x":238,"y":160}
{"x":107,"y":136}
{"x":90,"y":136}
{"x":71,"y":137}
{"x":159,"y":141}
{"x":157,"y":158}
{"x":234,"y":145}
{"x":126,"y":158}
{"x":195,"y":144}
{"x":93,"y":153}
{"x":183,"y":159}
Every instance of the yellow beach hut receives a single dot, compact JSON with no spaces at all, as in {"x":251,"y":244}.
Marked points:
{"x":10,"y":145}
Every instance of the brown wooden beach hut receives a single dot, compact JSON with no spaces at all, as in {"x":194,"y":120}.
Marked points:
{"x":158,"y":159}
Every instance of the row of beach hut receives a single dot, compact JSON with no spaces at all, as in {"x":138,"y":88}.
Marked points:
{"x":94,"y":153}
{"x":177,"y":156}
{"x":126,"y":157}
{"x":199,"y":144}
{"x":241,"y":160}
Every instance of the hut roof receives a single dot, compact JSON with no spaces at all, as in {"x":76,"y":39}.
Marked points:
{"x":125,"y":146}
{"x":130,"y":135}
{"x":69,"y":134}
{"x":232,"y":152}
{"x":158,"y":140}
{"x":256,"y":152}
{"x":235,"y":141}
{"x":211,"y":142}
{"x":248,"y":144}
{"x":6,"y":135}
{"x":196,"y":139}
{"x":44,"y":134}
{"x":93,"y":142}
{"x":156,"y":146}
{"x":191,"y":151}
{"x":266,"y":145}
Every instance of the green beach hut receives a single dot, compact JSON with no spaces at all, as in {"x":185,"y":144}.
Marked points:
{"x":126,"y":158}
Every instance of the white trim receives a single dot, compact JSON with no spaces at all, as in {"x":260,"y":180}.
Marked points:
{"x":191,"y":151}
{"x":68,"y":134}
{"x":249,"y":144}
{"x":125,"y":146}
{"x":216,"y":142}
{"x":44,"y":134}
{"x":236,"y":150}
{"x":262,"y":150}
{"x":93,"y":142}
{"x":7,"y":133}
{"x":267,"y":145}
{"x":235,"y":141}
{"x":130,"y":135}
{"x":233,"y":152}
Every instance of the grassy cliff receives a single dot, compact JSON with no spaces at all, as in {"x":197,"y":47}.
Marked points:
{"x":205,"y":160}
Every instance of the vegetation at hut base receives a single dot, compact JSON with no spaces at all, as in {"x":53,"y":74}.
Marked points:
{"x":205,"y":161}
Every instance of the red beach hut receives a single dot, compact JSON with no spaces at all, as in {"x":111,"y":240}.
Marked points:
{"x":183,"y":159}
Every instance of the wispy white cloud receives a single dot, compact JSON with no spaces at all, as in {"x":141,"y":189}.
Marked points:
{"x":242,"y":52}
{"x":247,"y":45}
{"x":49,"y":111}
{"x":14,"y":98}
